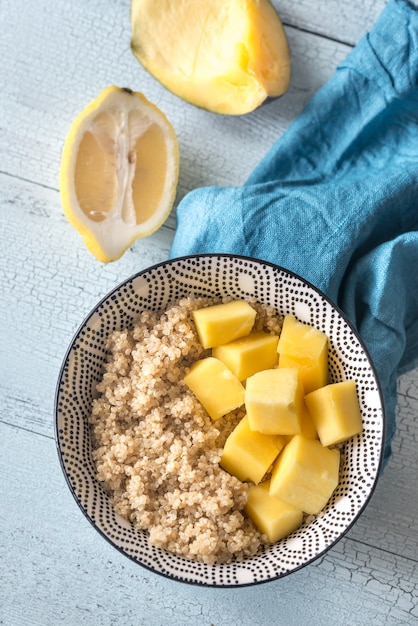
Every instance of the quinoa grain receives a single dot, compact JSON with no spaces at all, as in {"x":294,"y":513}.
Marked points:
{"x":157,"y":451}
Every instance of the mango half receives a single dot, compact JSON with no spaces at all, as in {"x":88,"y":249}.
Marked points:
{"x":226,"y":57}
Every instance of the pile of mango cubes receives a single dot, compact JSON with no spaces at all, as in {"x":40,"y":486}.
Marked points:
{"x":285,"y":445}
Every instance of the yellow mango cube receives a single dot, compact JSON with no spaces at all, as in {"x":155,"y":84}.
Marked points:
{"x":247,"y":454}
{"x":272,"y":516}
{"x":215,"y":386}
{"x":307,"y":426}
{"x":305,"y":474}
{"x":335,"y":411}
{"x":221,"y":323}
{"x":274,"y":401}
{"x":253,"y":353}
{"x":303,"y":346}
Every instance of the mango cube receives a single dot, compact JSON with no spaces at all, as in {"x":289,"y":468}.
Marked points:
{"x":222,"y":323}
{"x":303,"y":346}
{"x":274,"y":401}
{"x":215,"y":386}
{"x":248,"y":455}
{"x":307,"y":426}
{"x":272,"y":516}
{"x":305,"y":474}
{"x":246,"y":356}
{"x":335,"y":411}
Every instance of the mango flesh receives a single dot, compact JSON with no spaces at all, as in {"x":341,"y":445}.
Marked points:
{"x":307,"y":426}
{"x":247,"y":454}
{"x":244,"y":357}
{"x":226,"y":57}
{"x":305,"y":474}
{"x":303,"y":346}
{"x":214,"y":385}
{"x":272,"y":516}
{"x":335,"y":411}
{"x":274,"y":401}
{"x":275,"y":446}
{"x":221,"y":323}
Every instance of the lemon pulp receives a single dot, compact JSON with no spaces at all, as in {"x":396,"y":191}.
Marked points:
{"x":119,"y":171}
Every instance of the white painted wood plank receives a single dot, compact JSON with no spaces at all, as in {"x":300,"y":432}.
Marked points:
{"x":55,"y":569}
{"x":343,"y":21}
{"x":390,"y":522}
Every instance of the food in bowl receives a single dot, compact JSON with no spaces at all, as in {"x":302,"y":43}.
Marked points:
{"x":217,"y":276}
{"x":173,"y":443}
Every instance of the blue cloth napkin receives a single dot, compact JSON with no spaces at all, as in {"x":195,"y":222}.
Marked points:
{"x":336,"y":198}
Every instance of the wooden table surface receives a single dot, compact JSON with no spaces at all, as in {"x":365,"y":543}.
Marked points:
{"x":54,"y":567}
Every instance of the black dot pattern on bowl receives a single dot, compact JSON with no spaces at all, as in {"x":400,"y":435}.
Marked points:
{"x":239,"y":277}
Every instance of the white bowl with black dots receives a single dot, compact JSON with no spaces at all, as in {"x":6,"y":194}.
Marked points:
{"x":242,"y":278}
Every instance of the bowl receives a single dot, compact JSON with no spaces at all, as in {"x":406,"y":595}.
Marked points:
{"x":241,"y":278}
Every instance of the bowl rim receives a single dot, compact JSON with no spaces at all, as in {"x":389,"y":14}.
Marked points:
{"x":346,"y":320}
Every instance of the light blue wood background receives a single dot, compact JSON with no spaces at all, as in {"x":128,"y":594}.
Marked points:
{"x":54,"y":568}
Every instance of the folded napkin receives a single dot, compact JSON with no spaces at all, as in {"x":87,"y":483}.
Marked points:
{"x":336,"y":198}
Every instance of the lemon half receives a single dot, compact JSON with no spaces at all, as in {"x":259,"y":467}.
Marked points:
{"x":119,"y":171}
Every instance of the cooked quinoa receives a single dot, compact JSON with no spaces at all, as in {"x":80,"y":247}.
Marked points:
{"x":156,"y":449}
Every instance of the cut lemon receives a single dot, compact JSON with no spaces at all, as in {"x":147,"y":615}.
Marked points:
{"x":119,"y":171}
